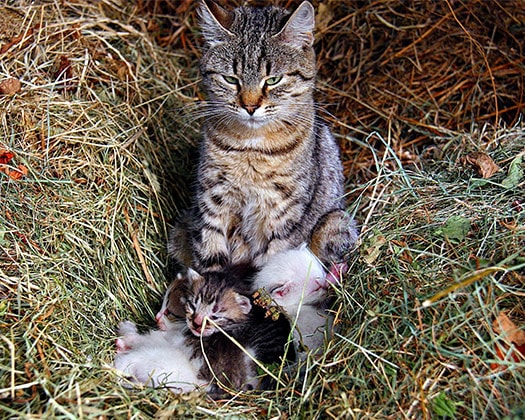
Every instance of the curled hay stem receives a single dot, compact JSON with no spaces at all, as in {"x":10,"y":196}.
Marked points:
{"x":469,"y":279}
{"x":138,"y":250}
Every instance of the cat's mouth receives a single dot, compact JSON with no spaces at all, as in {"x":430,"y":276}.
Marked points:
{"x":253,"y":122}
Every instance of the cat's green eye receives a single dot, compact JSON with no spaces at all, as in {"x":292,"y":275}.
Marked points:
{"x":271,"y":81}
{"x":230,"y":79}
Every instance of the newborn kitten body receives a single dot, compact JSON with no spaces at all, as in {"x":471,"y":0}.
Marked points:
{"x":269,"y":176}
{"x":219,"y":301}
{"x":156,"y":358}
{"x":296,"y":281}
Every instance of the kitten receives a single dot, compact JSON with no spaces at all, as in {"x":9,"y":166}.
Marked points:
{"x":171,"y":314}
{"x":269,"y":176}
{"x":297,"y":282}
{"x":222,"y":297}
{"x":156,"y":359}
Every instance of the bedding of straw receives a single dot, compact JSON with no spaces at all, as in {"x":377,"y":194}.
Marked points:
{"x":97,"y":142}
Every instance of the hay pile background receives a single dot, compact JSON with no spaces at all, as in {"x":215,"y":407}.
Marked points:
{"x":96,"y":150}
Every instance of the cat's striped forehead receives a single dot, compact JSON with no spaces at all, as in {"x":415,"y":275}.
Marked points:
{"x":253,"y":29}
{"x":250,"y":43}
{"x":255,"y":22}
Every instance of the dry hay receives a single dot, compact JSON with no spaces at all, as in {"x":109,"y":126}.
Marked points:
{"x":103,"y":125}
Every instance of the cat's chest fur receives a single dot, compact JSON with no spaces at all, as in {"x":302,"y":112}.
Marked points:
{"x":260,"y":184}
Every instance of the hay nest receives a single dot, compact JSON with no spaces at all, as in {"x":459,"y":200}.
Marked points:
{"x":96,"y":149}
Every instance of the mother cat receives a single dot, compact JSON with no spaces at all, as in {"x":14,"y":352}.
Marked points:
{"x":269,"y":176}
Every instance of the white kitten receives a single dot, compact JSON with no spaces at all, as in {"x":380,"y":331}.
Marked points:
{"x":156,"y":358}
{"x":298,"y":283}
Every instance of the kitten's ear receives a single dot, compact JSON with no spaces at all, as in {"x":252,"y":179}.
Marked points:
{"x":299,"y":29}
{"x":192,"y":276}
{"x":244,"y":303}
{"x":215,"y":21}
{"x":281,"y":291}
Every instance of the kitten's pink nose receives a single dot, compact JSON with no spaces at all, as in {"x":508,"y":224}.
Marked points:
{"x":196,"y":322}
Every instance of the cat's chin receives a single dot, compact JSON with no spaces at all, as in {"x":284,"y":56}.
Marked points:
{"x":254,"y":122}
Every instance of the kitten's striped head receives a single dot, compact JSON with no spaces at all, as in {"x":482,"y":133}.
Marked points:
{"x":258,"y":64}
{"x":210,"y":298}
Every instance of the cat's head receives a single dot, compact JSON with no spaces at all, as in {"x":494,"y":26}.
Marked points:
{"x":210,"y":302}
{"x":258,"y":64}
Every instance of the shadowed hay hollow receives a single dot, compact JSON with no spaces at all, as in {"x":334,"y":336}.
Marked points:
{"x":101,"y":123}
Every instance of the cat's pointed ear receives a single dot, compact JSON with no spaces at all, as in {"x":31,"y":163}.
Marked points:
{"x":299,"y":29}
{"x":215,"y":21}
{"x":244,"y":303}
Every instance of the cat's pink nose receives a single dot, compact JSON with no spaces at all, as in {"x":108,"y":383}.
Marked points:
{"x":251,"y":108}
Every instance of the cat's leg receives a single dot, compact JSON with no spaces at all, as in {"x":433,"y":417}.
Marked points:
{"x":334,"y":235}
{"x":179,"y":244}
{"x":211,"y":248}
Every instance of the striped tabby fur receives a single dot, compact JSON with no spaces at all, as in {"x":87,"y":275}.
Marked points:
{"x":269,"y":175}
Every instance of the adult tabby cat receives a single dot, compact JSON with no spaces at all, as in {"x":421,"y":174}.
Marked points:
{"x":269,"y":175}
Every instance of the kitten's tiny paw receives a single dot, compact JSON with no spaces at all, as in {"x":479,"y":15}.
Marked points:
{"x":160,"y":321}
{"x":127,"y":327}
{"x":121,"y":345}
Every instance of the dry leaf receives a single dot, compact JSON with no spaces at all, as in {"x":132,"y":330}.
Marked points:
{"x":64,"y":73}
{"x":373,"y":250}
{"x":5,"y":156}
{"x":17,"y":173}
{"x":482,"y":162}
{"x":510,"y":333}
{"x":13,"y":173}
{"x":405,"y":255}
{"x":26,"y":36}
{"x":10,"y":86}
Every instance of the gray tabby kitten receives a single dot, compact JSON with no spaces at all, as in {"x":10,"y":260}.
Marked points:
{"x":269,"y":176}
